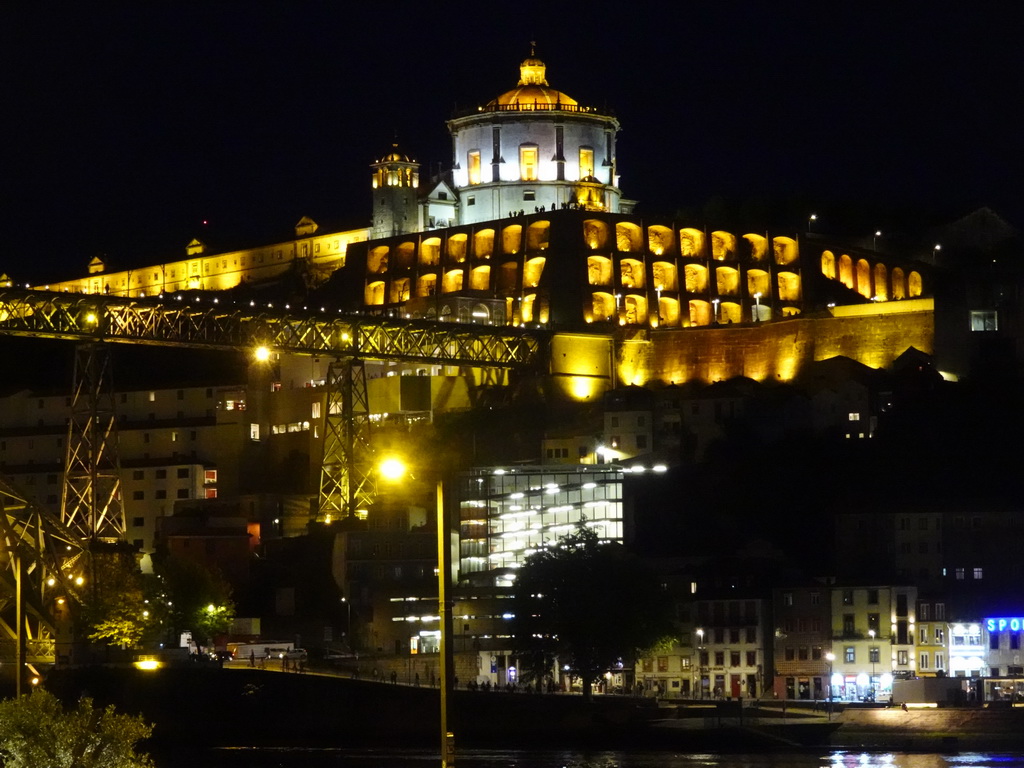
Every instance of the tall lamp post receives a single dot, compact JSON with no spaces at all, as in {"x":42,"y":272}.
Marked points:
{"x":393,"y":469}
{"x":830,"y":657}
{"x":700,"y":661}
{"x":871,"y":654}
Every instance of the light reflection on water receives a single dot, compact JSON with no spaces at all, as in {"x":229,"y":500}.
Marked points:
{"x":365,"y":758}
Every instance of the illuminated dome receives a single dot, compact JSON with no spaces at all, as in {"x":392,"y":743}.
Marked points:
{"x":394,"y":156}
{"x":533,"y":89}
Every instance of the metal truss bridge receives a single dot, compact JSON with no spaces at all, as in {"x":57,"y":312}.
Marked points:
{"x":91,"y":505}
{"x":209,"y":325}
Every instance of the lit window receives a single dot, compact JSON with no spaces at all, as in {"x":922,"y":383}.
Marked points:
{"x":978,"y":574}
{"x":528,"y":162}
{"x":254,"y":431}
{"x":850,"y":655}
{"x":959,"y":574}
{"x":474,"y":167}
{"x":854,"y":417}
{"x":586,"y":162}
{"x":984,"y":320}
{"x":902,"y":658}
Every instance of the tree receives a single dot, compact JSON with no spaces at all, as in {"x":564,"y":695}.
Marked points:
{"x":195,"y":598}
{"x":36,"y":732}
{"x":588,"y":604}
{"x":115,"y":609}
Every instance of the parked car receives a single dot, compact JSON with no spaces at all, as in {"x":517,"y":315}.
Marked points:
{"x":296,"y":654}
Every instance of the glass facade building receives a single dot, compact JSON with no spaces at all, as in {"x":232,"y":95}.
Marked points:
{"x":505,"y":515}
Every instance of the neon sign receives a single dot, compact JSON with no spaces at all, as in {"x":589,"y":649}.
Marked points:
{"x":1014,"y":624}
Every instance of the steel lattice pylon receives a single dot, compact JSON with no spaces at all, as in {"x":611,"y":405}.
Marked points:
{"x":91,"y":505}
{"x":37,"y":557}
{"x":346,"y":478}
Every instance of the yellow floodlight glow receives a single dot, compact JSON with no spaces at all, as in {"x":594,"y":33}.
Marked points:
{"x":262,"y":354}
{"x":147,"y":663}
{"x":79,"y":581}
{"x":90,"y":318}
{"x":392,"y":469}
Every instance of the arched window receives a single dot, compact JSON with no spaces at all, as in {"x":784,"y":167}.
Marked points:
{"x":785,"y":250}
{"x":700,"y":312}
{"x":758,"y":283}
{"x":914,"y":287}
{"x":881,"y":283}
{"x":899,"y":284}
{"x":864,"y":279}
{"x":789,"y":286}
{"x":452,"y":281}
{"x":480,"y":278}
{"x":430,"y":251}
{"x":659,"y":240}
{"x":628,"y":237}
{"x":399,"y":290}
{"x":727,"y":281}
{"x":631,"y":273}
{"x":377,"y":262}
{"x":828,"y":265}
{"x":599,"y":270}
{"x":483,"y":244}
{"x":375,"y":293}
{"x":537,"y":236}
{"x":426,"y":286}
{"x":696,"y":276}
{"x":602,"y":306}
{"x":512,"y":238}
{"x":532,"y":272}
{"x":664,"y":274}
{"x":723,"y":246}
{"x":595,"y":234}
{"x":691,"y":243}
{"x":757,"y":246}
{"x":846,"y":271}
{"x":457,"y":247}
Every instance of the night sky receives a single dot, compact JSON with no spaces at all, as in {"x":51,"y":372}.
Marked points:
{"x":127,"y":125}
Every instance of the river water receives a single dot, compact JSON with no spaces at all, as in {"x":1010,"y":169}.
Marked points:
{"x":523,"y":758}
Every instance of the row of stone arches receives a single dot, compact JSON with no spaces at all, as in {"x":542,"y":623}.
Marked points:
{"x":479,"y":278}
{"x":459,"y":247}
{"x":697,"y":278}
{"x":666,"y":311}
{"x":628,"y":237}
{"x":877,"y":283}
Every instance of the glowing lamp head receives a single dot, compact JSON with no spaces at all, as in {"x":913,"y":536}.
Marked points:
{"x":392,"y":469}
{"x":262,"y":354}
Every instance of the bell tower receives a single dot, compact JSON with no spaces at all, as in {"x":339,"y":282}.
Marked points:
{"x":396,"y":181}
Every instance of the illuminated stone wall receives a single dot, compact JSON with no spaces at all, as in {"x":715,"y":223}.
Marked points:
{"x":222,"y":271}
{"x":771,"y":350}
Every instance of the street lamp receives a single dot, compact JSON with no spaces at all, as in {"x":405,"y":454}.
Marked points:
{"x":757,"y":306}
{"x":348,"y":622}
{"x":715,"y":303}
{"x":871,"y":653}
{"x":810,"y":221}
{"x":393,"y":469}
{"x":830,"y":657}
{"x":874,"y":239}
{"x":935,"y":251}
{"x":700,"y":661}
